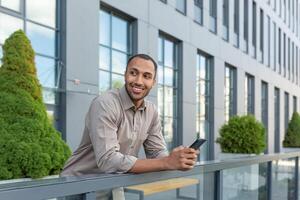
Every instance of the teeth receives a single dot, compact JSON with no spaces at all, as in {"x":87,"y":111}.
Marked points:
{"x":137,"y":89}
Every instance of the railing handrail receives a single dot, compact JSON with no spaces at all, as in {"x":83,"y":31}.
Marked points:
{"x":64,"y":186}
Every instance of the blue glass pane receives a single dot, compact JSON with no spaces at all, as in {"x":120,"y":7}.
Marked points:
{"x":160,"y":99}
{"x":168,"y":104}
{"x":8,"y":25}
{"x":104,"y":32}
{"x":48,"y":96}
{"x":117,"y":81}
{"x":11,"y":4}
{"x":160,"y":74}
{"x":283,"y":179}
{"x":104,"y":58}
{"x":120,"y":34}
{"x":43,"y":12}
{"x":169,"y":54}
{"x":104,"y":81}
{"x":42,"y":39}
{"x":169,"y":77}
{"x":45,"y":71}
{"x":180,"y":5}
{"x":248,"y":182}
{"x":119,"y":61}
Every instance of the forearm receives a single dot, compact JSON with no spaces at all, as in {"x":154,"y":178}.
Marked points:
{"x":149,"y":165}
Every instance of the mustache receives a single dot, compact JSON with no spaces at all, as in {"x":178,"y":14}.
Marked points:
{"x":137,"y":86}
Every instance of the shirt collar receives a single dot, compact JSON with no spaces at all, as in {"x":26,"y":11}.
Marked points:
{"x":127,"y":102}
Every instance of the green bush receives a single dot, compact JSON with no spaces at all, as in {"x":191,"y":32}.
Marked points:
{"x":292,"y":136}
{"x":242,"y":134}
{"x":29,"y":144}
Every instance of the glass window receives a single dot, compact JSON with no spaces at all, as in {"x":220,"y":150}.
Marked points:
{"x":42,"y":39}
{"x":105,"y":32}
{"x":203,"y":99}
{"x":226,"y":19}
{"x":246,"y":24}
{"x":284,"y":54}
{"x":230,"y":92}
{"x":274,"y":46}
{"x":46,"y":71}
{"x":293,"y":62}
{"x":286,"y":111}
{"x":181,"y":6}
{"x":295,"y":104}
{"x":236,"y":22}
{"x":8,"y":24}
{"x":289,"y":59}
{"x":279,"y":49}
{"x":11,"y":4}
{"x":119,"y":34}
{"x":269,"y":42}
{"x":249,"y":94}
{"x":168,"y":89}
{"x":41,"y":11}
{"x":213,"y":15}
{"x":261,"y":37}
{"x":254,"y":29}
{"x":198,"y":11}
{"x":277,"y":119}
{"x":115,"y":49}
{"x":264,"y":109}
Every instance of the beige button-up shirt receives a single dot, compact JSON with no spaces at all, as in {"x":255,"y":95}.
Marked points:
{"x":113,"y":135}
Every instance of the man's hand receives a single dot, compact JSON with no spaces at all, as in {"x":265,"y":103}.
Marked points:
{"x":181,"y":158}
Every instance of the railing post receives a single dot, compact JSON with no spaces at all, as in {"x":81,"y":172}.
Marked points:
{"x":297,"y":178}
{"x":269,"y":180}
{"x":218,"y":185}
{"x":89,"y":196}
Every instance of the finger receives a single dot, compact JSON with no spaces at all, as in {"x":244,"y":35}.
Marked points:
{"x":189,"y":162}
{"x":178,"y":148}
{"x":190,"y":155}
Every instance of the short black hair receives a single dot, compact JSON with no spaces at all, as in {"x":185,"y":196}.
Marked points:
{"x":145,"y":57}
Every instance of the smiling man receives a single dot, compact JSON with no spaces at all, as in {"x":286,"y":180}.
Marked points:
{"x":119,"y":122}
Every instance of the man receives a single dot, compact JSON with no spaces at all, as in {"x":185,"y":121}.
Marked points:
{"x":119,"y":122}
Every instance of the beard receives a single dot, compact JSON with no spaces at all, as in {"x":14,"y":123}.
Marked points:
{"x":134,"y":97}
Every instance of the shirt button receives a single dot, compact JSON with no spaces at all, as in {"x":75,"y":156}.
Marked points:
{"x":131,"y":147}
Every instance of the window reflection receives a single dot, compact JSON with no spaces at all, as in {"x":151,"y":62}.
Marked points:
{"x":117,"y":81}
{"x":114,"y":49}
{"x":46,"y":71}
{"x":11,"y":4}
{"x":41,"y":11}
{"x":104,"y":58}
{"x":104,"y":28}
{"x":168,"y":53}
{"x":8,"y":25}
{"x":168,"y":101}
{"x":119,"y":61}
{"x":104,"y":78}
{"x":167,"y":88}
{"x":119,"y":34}
{"x":42,"y":39}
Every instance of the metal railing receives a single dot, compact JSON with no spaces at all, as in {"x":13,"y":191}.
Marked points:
{"x":211,"y":172}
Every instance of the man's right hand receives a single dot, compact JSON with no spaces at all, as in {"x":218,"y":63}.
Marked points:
{"x":181,"y":158}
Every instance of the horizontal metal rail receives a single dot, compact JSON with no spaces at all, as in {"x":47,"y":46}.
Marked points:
{"x":65,"y":186}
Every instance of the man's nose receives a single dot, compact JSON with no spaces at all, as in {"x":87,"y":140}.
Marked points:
{"x":139,"y":79}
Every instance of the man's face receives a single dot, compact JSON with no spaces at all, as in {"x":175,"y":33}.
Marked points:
{"x":139,"y":79}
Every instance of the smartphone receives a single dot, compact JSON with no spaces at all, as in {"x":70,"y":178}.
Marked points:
{"x":197,"y":144}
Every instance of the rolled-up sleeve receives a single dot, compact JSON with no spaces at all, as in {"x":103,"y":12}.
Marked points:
{"x":102,"y":125}
{"x":154,"y":145}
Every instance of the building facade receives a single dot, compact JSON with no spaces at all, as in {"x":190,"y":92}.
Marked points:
{"x":216,"y":59}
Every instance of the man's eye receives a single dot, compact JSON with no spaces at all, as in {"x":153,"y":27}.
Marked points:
{"x":147,"y":76}
{"x":133,"y":73}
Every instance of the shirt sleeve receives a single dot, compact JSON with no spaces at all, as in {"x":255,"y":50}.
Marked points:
{"x":154,"y":145}
{"x":102,"y":124}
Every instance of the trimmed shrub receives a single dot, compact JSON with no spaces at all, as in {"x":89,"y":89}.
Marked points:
{"x":29,"y":144}
{"x":242,"y":134}
{"x":292,"y":136}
